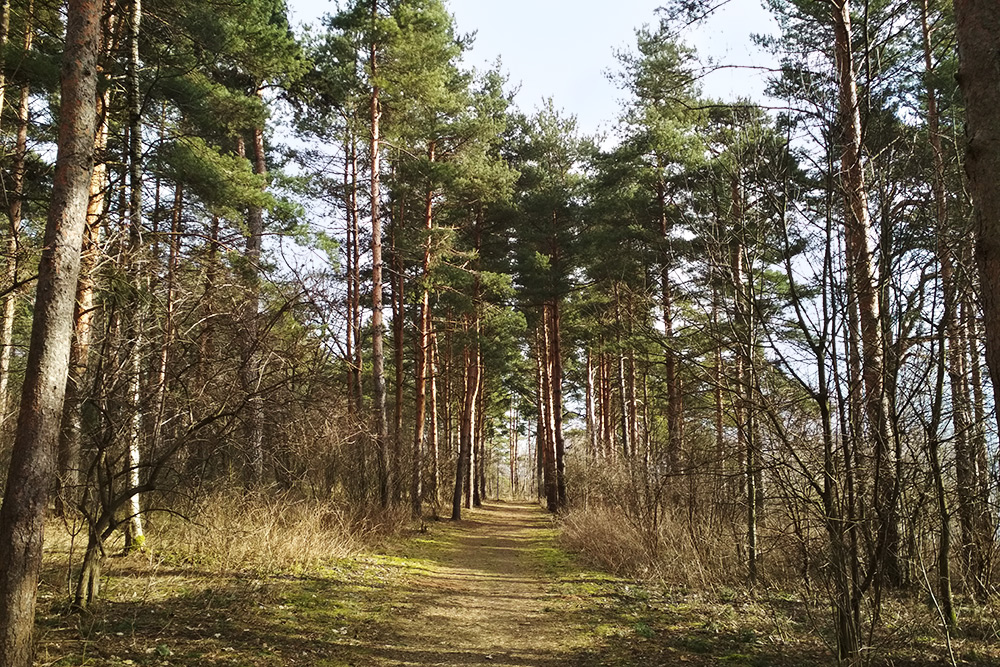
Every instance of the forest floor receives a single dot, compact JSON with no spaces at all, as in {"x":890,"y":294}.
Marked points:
{"x":493,"y":589}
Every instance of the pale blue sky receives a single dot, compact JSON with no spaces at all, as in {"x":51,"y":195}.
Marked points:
{"x":563,"y":48}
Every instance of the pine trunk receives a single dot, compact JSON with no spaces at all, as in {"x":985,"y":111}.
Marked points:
{"x":33,"y":459}
{"x":859,"y":265}
{"x":423,"y":352}
{"x":979,"y":64}
{"x":16,"y":198}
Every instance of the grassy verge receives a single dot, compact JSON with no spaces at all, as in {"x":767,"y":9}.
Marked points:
{"x":175,"y":607}
{"x":248,"y":583}
{"x":678,"y":614}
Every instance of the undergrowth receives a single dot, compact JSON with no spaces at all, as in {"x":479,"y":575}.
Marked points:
{"x":675,"y":594}
{"x":230,"y":580}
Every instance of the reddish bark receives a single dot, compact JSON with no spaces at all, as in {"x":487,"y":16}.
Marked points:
{"x":33,"y":461}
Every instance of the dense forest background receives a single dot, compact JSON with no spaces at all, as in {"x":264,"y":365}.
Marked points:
{"x":337,"y":265}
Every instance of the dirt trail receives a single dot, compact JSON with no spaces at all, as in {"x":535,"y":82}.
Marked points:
{"x":485,"y":598}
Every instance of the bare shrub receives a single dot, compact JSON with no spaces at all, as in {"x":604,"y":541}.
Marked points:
{"x":631,"y":523}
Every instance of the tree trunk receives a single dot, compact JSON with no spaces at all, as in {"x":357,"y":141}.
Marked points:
{"x":590,"y":408}
{"x":479,"y":480}
{"x":4,"y":40}
{"x":378,"y":354}
{"x":513,"y":433}
{"x":956,"y":354}
{"x":547,"y":441}
{"x":14,"y":211}
{"x":555,"y":361}
{"x":250,"y":366}
{"x":33,"y":461}
{"x":979,"y":80}
{"x":434,"y":480}
{"x":136,"y":536}
{"x":674,"y":409}
{"x":467,"y":427}
{"x":945,"y":598}
{"x":398,"y":280}
{"x":859,"y":262}
{"x":423,"y":352}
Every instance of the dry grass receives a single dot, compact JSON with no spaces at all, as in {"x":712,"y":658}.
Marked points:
{"x":672,"y":551}
{"x":251,"y":534}
{"x":230,"y":580}
{"x":257,"y":534}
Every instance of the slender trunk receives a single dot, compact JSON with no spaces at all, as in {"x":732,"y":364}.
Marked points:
{"x":513,"y":432}
{"x":355,"y":309}
{"x":479,"y":481}
{"x":4,"y":39}
{"x":541,"y":429}
{"x":16,"y":199}
{"x":556,"y":378}
{"x":607,"y":408}
{"x":350,"y":193}
{"x":378,"y":355}
{"x":717,"y":391}
{"x":547,"y":443}
{"x":956,"y":362}
{"x":626,"y":423}
{"x":674,"y":410}
{"x":743,"y":411}
{"x":423,"y":350}
{"x":435,"y":464}
{"x":984,"y":514}
{"x":467,"y":427}
{"x":250,"y":366}
{"x":591,"y":422}
{"x":136,"y":537}
{"x":945,"y":598}
{"x":168,"y":315}
{"x":469,"y":414}
{"x":70,"y":432}
{"x":859,"y":262}
{"x":447,"y":399}
{"x":33,"y":460}
{"x":397,"y":280}
{"x":206,"y":336}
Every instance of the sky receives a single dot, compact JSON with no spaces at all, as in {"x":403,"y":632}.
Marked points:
{"x":564,"y":49}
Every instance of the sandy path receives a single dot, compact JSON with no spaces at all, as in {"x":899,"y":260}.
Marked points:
{"x":485,"y":600}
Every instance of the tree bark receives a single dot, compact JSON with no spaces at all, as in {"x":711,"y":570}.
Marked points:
{"x":136,"y":537}
{"x":591,"y":409}
{"x":378,"y":326}
{"x":33,"y":461}
{"x":956,"y":355}
{"x":979,"y":80}
{"x":547,"y":441}
{"x":859,"y":262}
{"x":423,"y":352}
{"x":14,"y":211}
{"x":250,"y":367}
{"x":467,"y":427}
{"x":555,"y":360}
{"x":398,"y":281}
{"x":435,"y":464}
{"x":674,"y":408}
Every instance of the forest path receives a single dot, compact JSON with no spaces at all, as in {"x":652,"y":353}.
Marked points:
{"x":486,"y":595}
